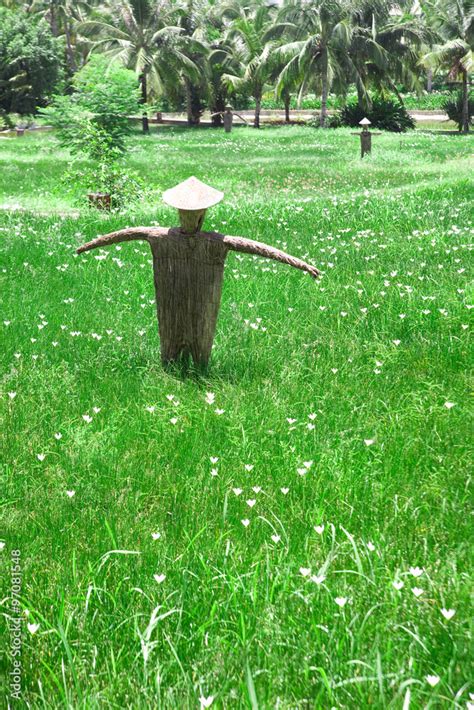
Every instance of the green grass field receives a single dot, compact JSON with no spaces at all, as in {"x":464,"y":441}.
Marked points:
{"x":257,"y":547}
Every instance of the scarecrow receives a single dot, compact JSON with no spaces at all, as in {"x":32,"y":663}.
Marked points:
{"x":188,"y":267}
{"x":228,"y":117}
{"x":365,"y":137}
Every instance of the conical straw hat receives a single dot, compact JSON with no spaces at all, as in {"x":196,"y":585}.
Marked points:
{"x":192,"y":194}
{"x":365,"y":122}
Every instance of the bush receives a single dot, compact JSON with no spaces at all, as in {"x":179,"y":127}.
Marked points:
{"x":106,"y":174}
{"x":31,"y":62}
{"x":453,"y":107}
{"x":105,"y":95}
{"x":385,"y":114}
{"x":94,"y":122}
{"x":331,"y":122}
{"x":426,"y":101}
{"x":6,"y":122}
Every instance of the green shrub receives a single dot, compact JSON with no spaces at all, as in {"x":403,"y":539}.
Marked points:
{"x":384,"y":114}
{"x":425,"y":102}
{"x":5,"y":121}
{"x":105,"y":95}
{"x":94,"y":122}
{"x":106,"y":174}
{"x":453,"y":107}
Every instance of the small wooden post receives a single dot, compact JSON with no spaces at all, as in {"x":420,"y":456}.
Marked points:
{"x":365,"y":137}
{"x":20,"y":132}
{"x":228,"y":118}
{"x":365,"y":143}
{"x":188,"y":268}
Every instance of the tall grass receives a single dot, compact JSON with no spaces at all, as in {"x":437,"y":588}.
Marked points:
{"x":258,"y":537}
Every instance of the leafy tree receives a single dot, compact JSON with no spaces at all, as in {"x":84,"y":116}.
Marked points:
{"x":105,"y":95}
{"x":143,"y":36}
{"x":30,"y":62}
{"x":93,"y":122}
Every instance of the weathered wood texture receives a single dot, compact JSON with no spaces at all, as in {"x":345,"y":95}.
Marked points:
{"x":191,"y":220}
{"x":188,"y":276}
{"x":365,"y":143}
{"x":188,"y":271}
{"x":228,"y":120}
{"x":100,"y":200}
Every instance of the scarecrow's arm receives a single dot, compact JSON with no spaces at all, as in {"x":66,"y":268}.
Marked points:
{"x":125,"y":235}
{"x":249,"y":246}
{"x":241,"y":117}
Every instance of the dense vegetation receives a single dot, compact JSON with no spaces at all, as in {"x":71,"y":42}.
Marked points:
{"x":196,"y":54}
{"x":339,"y":408}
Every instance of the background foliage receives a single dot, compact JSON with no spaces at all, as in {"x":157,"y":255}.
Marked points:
{"x":31,"y":67}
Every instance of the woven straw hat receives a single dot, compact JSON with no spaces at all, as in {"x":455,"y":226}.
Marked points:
{"x":192,"y":194}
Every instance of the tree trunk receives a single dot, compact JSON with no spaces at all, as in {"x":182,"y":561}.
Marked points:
{"x":193,"y":104}
{"x":429,"y":81}
{"x":324,"y":88}
{"x":286,"y":98}
{"x":217,"y":108}
{"x":53,"y":21}
{"x":258,"y":106}
{"x":143,"y":82}
{"x":465,"y":103}
{"x":71,"y":60}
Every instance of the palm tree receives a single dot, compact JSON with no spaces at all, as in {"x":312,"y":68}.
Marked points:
{"x":220,"y":62}
{"x":249,"y":32}
{"x":63,"y":16}
{"x":144,"y":36}
{"x":193,"y":21}
{"x":321,"y":33}
{"x":385,"y":47}
{"x":454,"y":20}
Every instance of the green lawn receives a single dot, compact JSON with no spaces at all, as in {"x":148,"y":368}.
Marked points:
{"x":340,"y":410}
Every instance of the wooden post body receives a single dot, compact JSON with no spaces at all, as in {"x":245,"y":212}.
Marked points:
{"x":228,"y":120}
{"x":188,"y":273}
{"x":365,"y":143}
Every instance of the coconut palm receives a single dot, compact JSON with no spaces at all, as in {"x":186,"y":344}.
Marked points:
{"x":145,"y":36}
{"x":63,"y":17}
{"x":454,"y":20}
{"x":221,"y":61}
{"x":193,"y":19}
{"x":321,"y":34}
{"x":251,"y":31}
{"x":385,"y":46}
